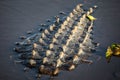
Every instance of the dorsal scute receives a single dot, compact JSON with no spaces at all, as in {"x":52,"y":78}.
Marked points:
{"x":64,"y":43}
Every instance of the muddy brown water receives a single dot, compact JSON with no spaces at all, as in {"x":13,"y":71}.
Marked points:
{"x":19,"y":16}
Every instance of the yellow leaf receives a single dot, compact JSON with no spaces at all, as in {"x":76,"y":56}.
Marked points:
{"x":108,"y":54}
{"x":117,"y":51}
{"x":91,"y":18}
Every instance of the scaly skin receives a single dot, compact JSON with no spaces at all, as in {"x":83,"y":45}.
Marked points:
{"x":62,"y":46}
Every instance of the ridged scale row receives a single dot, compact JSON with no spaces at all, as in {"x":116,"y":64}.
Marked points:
{"x":61,"y":46}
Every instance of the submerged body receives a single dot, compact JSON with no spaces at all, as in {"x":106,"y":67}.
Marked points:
{"x":62,"y":45}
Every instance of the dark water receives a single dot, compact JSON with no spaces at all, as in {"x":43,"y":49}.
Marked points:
{"x":19,"y":16}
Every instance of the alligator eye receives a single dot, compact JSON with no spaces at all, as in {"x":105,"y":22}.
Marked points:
{"x":41,"y":29}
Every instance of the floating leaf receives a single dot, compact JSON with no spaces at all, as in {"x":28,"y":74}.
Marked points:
{"x":113,"y":50}
{"x":91,"y":18}
{"x":116,"y":49}
{"x":108,"y":54}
